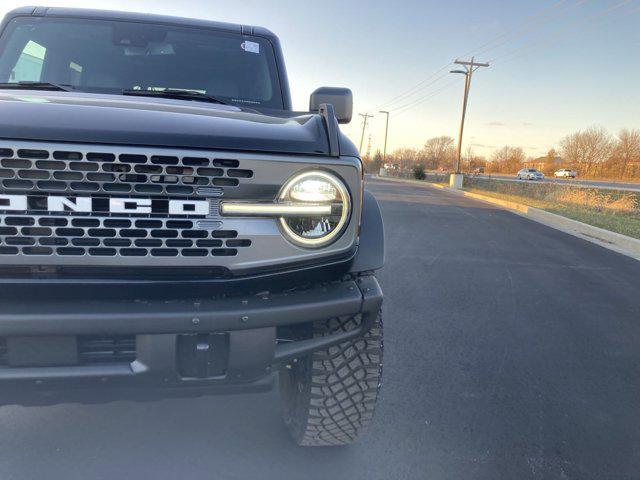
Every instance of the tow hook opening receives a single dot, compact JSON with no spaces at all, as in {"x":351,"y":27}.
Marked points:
{"x":202,"y":355}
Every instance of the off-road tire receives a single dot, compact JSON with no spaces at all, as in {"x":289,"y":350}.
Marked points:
{"x":329,"y":397}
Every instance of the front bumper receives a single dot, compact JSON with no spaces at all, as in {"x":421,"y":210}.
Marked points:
{"x":249,"y":323}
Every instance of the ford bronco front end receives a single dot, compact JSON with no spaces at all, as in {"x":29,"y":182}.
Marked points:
{"x":170,"y":227}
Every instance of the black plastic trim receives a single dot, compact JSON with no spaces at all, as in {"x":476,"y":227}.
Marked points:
{"x":327,"y":113}
{"x":72,"y":284}
{"x":371,"y":250}
{"x":251,"y":323}
{"x":80,"y":317}
{"x":372,"y":301}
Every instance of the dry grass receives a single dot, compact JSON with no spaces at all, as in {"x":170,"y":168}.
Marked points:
{"x":599,"y":201}
{"x":614,"y":210}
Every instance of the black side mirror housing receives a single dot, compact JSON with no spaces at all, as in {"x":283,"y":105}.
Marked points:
{"x":340,"y":98}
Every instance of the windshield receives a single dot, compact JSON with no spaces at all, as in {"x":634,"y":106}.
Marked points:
{"x":110,"y":56}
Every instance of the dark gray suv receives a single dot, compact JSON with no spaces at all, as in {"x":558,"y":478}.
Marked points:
{"x":170,"y":227}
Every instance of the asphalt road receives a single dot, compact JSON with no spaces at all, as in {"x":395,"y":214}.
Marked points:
{"x":512,"y":352}
{"x":576,"y":182}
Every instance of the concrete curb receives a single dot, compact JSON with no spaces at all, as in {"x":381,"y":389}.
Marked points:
{"x":613,"y":241}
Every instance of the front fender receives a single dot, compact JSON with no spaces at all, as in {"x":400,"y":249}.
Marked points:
{"x":370,"y":255}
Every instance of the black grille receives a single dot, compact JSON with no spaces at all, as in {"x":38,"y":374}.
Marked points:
{"x":106,"y":349}
{"x":93,"y":350}
{"x":109,"y":237}
{"x":4,"y":354}
{"x":125,"y":173}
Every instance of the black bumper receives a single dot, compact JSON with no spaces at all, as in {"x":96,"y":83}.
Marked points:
{"x":161,"y":329}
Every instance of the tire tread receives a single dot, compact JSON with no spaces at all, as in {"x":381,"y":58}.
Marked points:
{"x":336,"y":391}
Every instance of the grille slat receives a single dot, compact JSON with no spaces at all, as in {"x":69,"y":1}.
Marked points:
{"x":4,"y":353}
{"x":93,"y":349}
{"x":98,"y":172}
{"x":98,"y":349}
{"x":112,"y":237}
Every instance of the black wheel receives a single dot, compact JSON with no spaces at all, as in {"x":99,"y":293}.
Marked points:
{"x":329,"y":397}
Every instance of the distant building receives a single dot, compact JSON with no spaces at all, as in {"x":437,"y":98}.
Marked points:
{"x":545,"y":163}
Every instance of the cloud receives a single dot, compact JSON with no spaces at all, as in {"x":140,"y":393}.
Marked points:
{"x":526,"y":124}
{"x":496,"y":124}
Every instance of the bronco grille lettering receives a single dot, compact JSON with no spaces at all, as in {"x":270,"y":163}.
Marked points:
{"x":25,"y":203}
{"x":58,"y":204}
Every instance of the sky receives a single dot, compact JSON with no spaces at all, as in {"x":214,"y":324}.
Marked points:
{"x":557,"y":66}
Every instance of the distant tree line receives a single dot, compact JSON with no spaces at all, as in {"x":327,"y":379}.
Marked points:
{"x":593,"y":152}
{"x":596,"y":153}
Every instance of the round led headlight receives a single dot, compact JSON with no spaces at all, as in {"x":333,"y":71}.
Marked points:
{"x":319,"y":191}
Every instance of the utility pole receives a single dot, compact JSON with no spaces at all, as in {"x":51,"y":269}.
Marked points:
{"x":469,"y":67}
{"x":386,"y":132}
{"x":365,"y":117}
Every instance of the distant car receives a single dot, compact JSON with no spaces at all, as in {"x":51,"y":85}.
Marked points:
{"x":530,"y":174}
{"x":478,"y":171}
{"x":565,"y":173}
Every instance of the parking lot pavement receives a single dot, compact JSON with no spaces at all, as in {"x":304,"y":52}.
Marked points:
{"x":512,"y":351}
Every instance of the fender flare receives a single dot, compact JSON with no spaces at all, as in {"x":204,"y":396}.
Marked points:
{"x":371,"y":253}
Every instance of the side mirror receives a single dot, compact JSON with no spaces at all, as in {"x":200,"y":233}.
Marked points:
{"x":340,"y":98}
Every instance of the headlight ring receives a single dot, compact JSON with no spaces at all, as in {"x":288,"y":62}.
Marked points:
{"x":315,"y":187}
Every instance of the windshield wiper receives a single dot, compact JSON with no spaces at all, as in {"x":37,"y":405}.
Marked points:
{"x":175,"y":94}
{"x":36,"y":86}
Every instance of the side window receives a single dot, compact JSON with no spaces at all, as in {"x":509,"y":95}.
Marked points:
{"x":28,"y":68}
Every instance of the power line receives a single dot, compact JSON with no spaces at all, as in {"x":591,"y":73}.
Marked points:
{"x":505,"y":36}
{"x":552,"y":12}
{"x":558,"y":15}
{"x":545,"y":15}
{"x":408,"y":106}
{"x":416,"y":87}
{"x":432,"y":94}
{"x":420,"y":99}
{"x":514,"y":54}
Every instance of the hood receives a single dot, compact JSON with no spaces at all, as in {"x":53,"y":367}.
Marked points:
{"x":129,"y":120}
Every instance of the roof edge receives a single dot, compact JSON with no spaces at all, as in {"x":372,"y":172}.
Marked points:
{"x":140,"y":17}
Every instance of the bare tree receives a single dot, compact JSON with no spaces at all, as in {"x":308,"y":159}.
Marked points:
{"x":592,"y":152}
{"x":588,"y":149}
{"x":508,"y":159}
{"x":626,"y":151}
{"x":406,"y":158}
{"x":439,"y":152}
{"x":471,"y":161}
{"x":374,"y":163}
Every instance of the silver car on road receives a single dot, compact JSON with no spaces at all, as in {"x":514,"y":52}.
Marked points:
{"x":530,"y":174}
